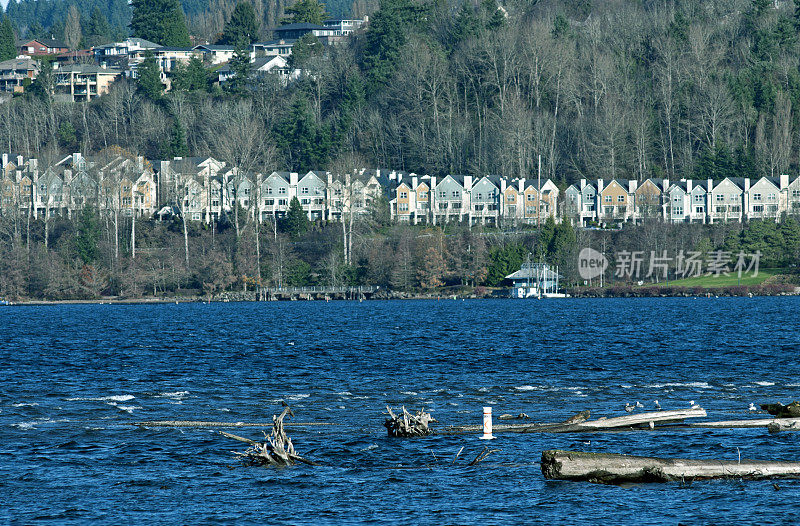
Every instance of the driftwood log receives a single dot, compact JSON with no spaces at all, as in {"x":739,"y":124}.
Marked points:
{"x":783,"y":411}
{"x":278,"y":449}
{"x":607,"y":468}
{"x":407,"y":425}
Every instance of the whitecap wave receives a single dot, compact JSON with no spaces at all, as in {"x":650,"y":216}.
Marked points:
{"x":409,"y":393}
{"x":113,"y":398}
{"x":695,"y":385}
{"x":174,"y":395}
{"x":764,"y":384}
{"x":296,"y":397}
{"x":24,"y":404}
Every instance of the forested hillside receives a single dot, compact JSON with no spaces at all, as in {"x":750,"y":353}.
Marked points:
{"x":45,"y":18}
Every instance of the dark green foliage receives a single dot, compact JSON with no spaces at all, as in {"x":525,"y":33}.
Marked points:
{"x":97,"y":30}
{"x":240,"y":65}
{"x":87,"y":236}
{"x":241,"y":30}
{"x":192,"y":76}
{"x":503,"y":261}
{"x":44,"y":83}
{"x":148,"y":78}
{"x":36,"y":19}
{"x":67,"y":136}
{"x":304,"y":142}
{"x":160,"y":21}
{"x":177,"y":145}
{"x":306,"y":47}
{"x":8,"y":46}
{"x":385,"y":40}
{"x":560,"y":26}
{"x":296,"y":222}
{"x":298,"y":273}
{"x":308,"y":11}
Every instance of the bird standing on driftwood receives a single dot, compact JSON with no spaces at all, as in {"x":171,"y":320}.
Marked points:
{"x":639,"y":405}
{"x":629,"y":408}
{"x":658,"y":406}
{"x":752,"y":407}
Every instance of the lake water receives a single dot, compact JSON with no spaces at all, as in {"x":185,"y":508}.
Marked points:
{"x":73,"y":378}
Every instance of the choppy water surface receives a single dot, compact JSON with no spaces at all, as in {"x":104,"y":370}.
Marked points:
{"x":73,"y":379}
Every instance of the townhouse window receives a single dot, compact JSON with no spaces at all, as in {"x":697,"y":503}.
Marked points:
{"x":511,"y":198}
{"x":677,"y":199}
{"x":43,"y":189}
{"x":772,"y":208}
{"x":404,"y":207}
{"x":126,"y":201}
{"x":573,"y":197}
{"x":196,"y":216}
{"x":442,"y":206}
{"x":456,"y":205}
{"x":305,"y":201}
{"x":269,"y":202}
{"x":403,"y":195}
{"x":758,"y":208}
{"x":304,"y":191}
{"x":609,"y":210}
{"x":479,"y":196}
{"x":719,"y":209}
{"x":756,"y":197}
{"x":126,"y":188}
{"x":478,"y":208}
{"x":677,"y":211}
{"x":795,"y":193}
{"x":530,"y":210}
{"x":282,"y":190}
{"x":422,"y":206}
{"x":319,"y":202}
{"x":456,"y":194}
{"x":735,"y":209}
{"x":699,"y":210}
{"x":246,"y":203}
{"x":698,"y":198}
{"x":734,"y":198}
{"x":531,"y":197}
{"x":215,"y":191}
{"x":246,"y":191}
{"x":620,"y":198}
{"x":422,"y":195}
{"x":719,"y":198}
{"x":269,"y":191}
{"x":442,"y":195}
{"x":492,"y":207}
{"x":607,"y":199}
{"x":215,"y":202}
{"x":770,"y":197}
{"x":281,"y":202}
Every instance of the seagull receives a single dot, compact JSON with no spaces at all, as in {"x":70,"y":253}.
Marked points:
{"x":639,"y":404}
{"x":629,"y":408}
{"x":752,"y":407}
{"x":655,"y":403}
{"x":694,"y":405}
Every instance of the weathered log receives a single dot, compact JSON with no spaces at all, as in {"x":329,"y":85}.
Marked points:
{"x":783,"y":411}
{"x":407,"y":425}
{"x":581,"y":417}
{"x":605,"y":468}
{"x":603,"y":424}
{"x":782,"y":423}
{"x":208,"y":423}
{"x":278,"y":449}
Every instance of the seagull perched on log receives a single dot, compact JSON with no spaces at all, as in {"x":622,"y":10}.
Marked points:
{"x":629,"y":408}
{"x":694,"y":405}
{"x":752,"y":407}
{"x":639,"y":405}
{"x":658,"y":406}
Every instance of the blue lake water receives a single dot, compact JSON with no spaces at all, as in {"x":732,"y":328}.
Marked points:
{"x":73,"y":378}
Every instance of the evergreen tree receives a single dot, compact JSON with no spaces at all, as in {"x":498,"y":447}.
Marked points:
{"x":148,"y":78}
{"x":306,"y":47}
{"x":8,"y":45}
{"x":296,"y":222}
{"x":43,"y":85}
{"x":98,"y":31}
{"x":178,"y":146}
{"x":305,"y":143}
{"x":240,"y":66}
{"x":242,"y":28}
{"x":191,"y":76}
{"x":308,"y":11}
{"x":87,"y":236}
{"x":160,"y":21}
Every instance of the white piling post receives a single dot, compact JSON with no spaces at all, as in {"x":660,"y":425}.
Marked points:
{"x":487,"y":423}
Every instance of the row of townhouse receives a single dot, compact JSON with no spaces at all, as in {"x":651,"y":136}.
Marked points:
{"x":204,"y":189}
{"x":685,"y":201}
{"x":487,"y":200}
{"x":120,"y":184}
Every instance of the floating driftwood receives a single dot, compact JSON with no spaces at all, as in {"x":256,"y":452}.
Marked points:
{"x":782,"y":424}
{"x":608,"y":468}
{"x":575,"y":425}
{"x":278,"y":450}
{"x":783,"y":411}
{"x":206,"y":423}
{"x":407,"y":425}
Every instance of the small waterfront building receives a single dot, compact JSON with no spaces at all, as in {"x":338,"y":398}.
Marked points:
{"x":533,"y":280}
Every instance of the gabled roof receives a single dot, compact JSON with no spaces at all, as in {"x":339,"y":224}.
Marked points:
{"x":49,"y":42}
{"x":737,"y":182}
{"x":299,"y":27}
{"x":214,"y":47}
